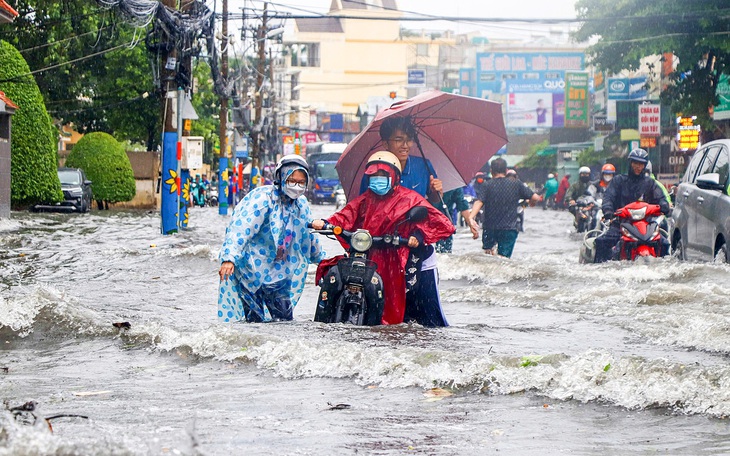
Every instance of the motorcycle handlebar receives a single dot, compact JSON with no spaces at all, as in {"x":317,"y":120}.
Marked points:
{"x":330,"y":229}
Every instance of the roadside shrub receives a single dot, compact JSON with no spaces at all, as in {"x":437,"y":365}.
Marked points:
{"x":107,"y":166}
{"x":34,"y":139}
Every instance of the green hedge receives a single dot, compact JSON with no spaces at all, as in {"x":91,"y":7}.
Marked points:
{"x":107,"y":166}
{"x":34,"y":139}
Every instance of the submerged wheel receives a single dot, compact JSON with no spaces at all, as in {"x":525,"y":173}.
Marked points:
{"x":721,"y":254}
{"x":678,"y":249}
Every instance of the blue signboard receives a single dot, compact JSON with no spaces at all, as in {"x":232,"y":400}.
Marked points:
{"x":416,"y":77}
{"x":495,"y":70}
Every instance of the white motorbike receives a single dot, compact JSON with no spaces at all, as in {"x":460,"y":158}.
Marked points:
{"x":340,"y":199}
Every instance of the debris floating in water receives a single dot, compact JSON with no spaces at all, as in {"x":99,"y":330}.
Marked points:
{"x":122,"y":325}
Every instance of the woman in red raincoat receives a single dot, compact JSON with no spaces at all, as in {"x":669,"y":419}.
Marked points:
{"x":378,"y":210}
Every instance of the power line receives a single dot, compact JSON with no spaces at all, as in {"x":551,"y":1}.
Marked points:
{"x":14,"y":78}
{"x":41,"y":46}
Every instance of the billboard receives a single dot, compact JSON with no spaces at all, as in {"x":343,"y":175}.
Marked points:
{"x":495,"y":70}
{"x":722,"y":110}
{"x":576,"y":99}
{"x":535,"y":104}
{"x":623,"y":89}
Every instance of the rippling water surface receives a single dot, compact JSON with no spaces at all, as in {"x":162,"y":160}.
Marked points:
{"x":543,"y":355}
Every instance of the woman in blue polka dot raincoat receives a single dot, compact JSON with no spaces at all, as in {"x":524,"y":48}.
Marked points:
{"x":268,"y":248}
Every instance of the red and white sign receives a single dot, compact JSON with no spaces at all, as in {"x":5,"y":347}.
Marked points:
{"x":649,"y":120}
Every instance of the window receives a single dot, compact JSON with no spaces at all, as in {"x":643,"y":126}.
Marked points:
{"x":721,"y":165}
{"x":694,"y":165}
{"x":422,"y":50}
{"x":709,"y":161}
{"x":304,"y":54}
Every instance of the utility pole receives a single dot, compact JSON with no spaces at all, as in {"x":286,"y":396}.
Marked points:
{"x":223,"y":117}
{"x":169,"y":163}
{"x":258,"y":96}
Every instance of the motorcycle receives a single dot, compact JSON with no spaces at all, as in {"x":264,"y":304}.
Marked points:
{"x":586,"y":213}
{"x":197,"y":194}
{"x":521,"y":205}
{"x":642,"y":234}
{"x":351,"y":290}
{"x":211,"y":197}
{"x":340,"y":199}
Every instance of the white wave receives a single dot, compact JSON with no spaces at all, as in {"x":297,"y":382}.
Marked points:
{"x":22,"y":311}
{"x":627,"y":381}
{"x":202,"y":250}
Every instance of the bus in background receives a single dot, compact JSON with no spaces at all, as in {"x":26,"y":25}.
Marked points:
{"x":322,"y":158}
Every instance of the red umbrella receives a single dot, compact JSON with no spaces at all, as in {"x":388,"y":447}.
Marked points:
{"x":458,"y":134}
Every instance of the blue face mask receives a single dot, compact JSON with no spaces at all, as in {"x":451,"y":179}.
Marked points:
{"x":379,"y":184}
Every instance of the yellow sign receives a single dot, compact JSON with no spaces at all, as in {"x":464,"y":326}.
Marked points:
{"x":688,"y":134}
{"x":187,"y":124}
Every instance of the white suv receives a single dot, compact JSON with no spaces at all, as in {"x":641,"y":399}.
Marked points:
{"x":702,"y":205}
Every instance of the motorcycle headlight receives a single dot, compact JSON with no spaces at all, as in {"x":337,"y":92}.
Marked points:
{"x":638,"y":214}
{"x":361,"y":241}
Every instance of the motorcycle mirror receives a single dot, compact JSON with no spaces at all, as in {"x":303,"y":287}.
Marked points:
{"x":417,"y":213}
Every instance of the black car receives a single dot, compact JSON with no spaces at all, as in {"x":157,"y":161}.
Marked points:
{"x":76,"y":192}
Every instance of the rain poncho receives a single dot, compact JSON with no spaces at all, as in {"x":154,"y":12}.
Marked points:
{"x":269,"y":244}
{"x":379,"y":215}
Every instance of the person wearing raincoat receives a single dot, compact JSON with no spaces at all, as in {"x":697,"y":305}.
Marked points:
{"x":267,"y":248}
{"x":379,"y":209}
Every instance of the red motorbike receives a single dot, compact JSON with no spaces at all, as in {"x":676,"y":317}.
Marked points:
{"x":641,"y":232}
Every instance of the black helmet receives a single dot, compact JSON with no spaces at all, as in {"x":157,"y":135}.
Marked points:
{"x":639,"y":155}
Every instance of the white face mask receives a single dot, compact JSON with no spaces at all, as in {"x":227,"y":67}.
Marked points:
{"x":607,"y":177}
{"x":294,"y":191}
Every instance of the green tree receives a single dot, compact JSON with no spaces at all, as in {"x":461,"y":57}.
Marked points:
{"x":695,"y":32}
{"x":533,"y":160}
{"x":104,"y":88}
{"x":33,"y":138}
{"x":107,"y":166}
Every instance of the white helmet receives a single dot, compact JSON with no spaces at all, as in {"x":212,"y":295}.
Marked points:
{"x":288,"y":160}
{"x":384,"y":156}
{"x":551,"y":176}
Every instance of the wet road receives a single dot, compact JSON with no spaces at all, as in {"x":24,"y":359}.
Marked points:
{"x":543,"y":355}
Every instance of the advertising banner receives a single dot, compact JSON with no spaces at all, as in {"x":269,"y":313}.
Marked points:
{"x":535,"y":104}
{"x":495,"y":70}
{"x":722,"y":110}
{"x":623,"y":89}
{"x":649,"y":120}
{"x":576,"y":99}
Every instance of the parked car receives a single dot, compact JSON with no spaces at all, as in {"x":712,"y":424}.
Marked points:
{"x":702,"y":205}
{"x":77,"y":194}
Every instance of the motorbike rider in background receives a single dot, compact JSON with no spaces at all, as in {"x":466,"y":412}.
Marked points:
{"x":578,"y":189}
{"x":599,"y":187}
{"x":625,"y":189}
{"x":549,"y":191}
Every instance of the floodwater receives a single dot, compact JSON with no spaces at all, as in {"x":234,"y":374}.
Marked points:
{"x":543,"y":355}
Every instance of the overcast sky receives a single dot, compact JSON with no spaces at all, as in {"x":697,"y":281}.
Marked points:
{"x":532,"y":9}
